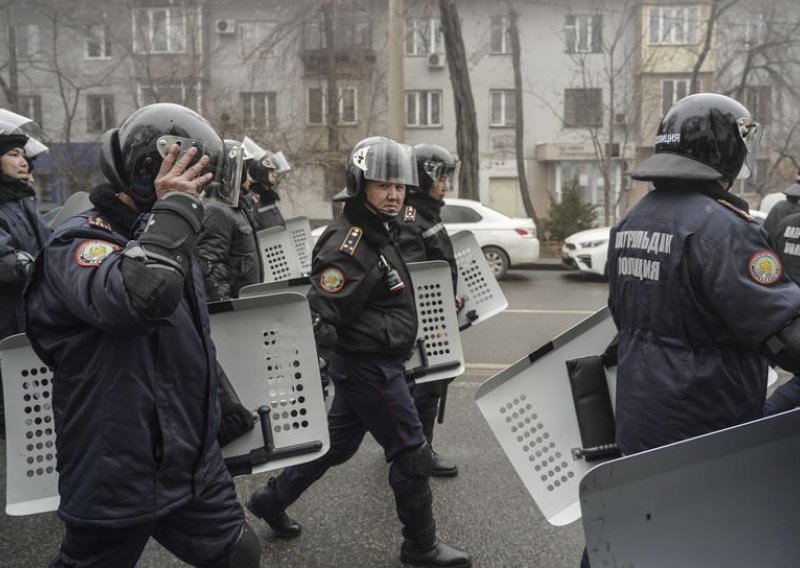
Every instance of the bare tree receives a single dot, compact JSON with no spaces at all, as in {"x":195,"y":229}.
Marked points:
{"x":519,"y":126}
{"x":466,"y":128}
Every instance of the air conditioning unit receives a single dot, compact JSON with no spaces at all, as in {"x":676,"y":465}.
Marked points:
{"x":226,"y":27}
{"x":436,"y":61}
{"x":620,"y":119}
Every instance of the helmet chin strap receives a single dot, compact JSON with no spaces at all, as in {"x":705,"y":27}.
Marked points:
{"x":382,"y":215}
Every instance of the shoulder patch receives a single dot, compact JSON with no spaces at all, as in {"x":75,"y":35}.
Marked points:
{"x":736,"y":210}
{"x":99,"y":222}
{"x":765,"y":267}
{"x":350,"y":242}
{"x":410,"y":215}
{"x":331,"y":280}
{"x":93,"y":252}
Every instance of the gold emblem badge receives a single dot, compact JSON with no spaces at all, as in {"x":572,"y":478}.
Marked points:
{"x":93,"y":253}
{"x":765,"y":267}
{"x":331,"y":280}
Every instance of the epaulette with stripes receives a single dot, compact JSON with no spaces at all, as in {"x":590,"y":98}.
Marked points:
{"x":410,"y":214}
{"x":350,"y":242}
{"x":736,"y":210}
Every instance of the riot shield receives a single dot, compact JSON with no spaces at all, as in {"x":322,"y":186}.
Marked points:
{"x":437,"y":354}
{"x":728,"y":498}
{"x":266,"y":346}
{"x":529,"y":408}
{"x":477,"y":286}
{"x":75,"y":203}
{"x":278,"y":254}
{"x":299,"y":230}
{"x":31,"y":478}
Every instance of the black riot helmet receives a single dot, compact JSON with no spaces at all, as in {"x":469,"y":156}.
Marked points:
{"x":793,"y":191}
{"x":10,"y":137}
{"x":434,"y":162}
{"x":703,"y":137}
{"x":378,"y":158}
{"x":260,"y":167}
{"x":23,"y":126}
{"x":131,"y":155}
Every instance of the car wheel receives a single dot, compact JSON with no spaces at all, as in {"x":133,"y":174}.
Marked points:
{"x":498,"y":261}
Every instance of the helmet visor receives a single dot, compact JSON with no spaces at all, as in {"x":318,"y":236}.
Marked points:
{"x":438,"y":170}
{"x":252,"y":151}
{"x":388,"y":162}
{"x":278,"y":162}
{"x":750,"y":132}
{"x":28,"y":127}
{"x":224,"y":186}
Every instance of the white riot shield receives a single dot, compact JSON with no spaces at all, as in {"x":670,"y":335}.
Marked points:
{"x":728,"y":499}
{"x":530,"y":410}
{"x":75,"y":203}
{"x":299,"y":230}
{"x":300,"y":285}
{"x":278,"y":255}
{"x":265,"y":345}
{"x":438,"y":353}
{"x":477,"y":286}
{"x":31,"y":480}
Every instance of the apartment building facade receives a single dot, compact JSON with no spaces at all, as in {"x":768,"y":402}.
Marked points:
{"x":597,"y":76}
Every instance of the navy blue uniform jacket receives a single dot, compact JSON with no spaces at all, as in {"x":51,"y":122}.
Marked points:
{"x":695,"y":290}
{"x":134,"y":401}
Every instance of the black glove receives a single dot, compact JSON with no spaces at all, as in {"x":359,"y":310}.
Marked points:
{"x":236,"y":422}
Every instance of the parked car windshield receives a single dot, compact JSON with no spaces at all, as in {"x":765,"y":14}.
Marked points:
{"x":459,"y":214}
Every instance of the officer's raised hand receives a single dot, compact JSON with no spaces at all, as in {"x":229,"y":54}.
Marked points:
{"x":175,"y":174}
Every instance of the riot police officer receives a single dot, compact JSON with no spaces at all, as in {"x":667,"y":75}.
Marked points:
{"x":23,"y":232}
{"x":366,"y":324}
{"x":423,"y":237}
{"x":699,"y":298}
{"x":116,"y":308}
{"x":267,"y":173}
{"x":228,"y":251}
{"x":783,"y":209}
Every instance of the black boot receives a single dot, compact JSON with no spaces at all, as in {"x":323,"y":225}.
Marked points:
{"x":442,"y":467}
{"x":440,"y":555}
{"x":267,"y":505}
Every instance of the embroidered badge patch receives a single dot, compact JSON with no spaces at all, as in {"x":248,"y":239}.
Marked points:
{"x":350,"y":242}
{"x":765,"y":267}
{"x":410,"y":214}
{"x":331,"y":280}
{"x":93,"y":253}
{"x":99,"y":222}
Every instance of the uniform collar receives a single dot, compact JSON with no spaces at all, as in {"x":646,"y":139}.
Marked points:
{"x":13,"y":190}
{"x":376,"y":232}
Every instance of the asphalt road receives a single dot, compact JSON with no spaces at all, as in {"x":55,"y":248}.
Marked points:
{"x":348,"y":516}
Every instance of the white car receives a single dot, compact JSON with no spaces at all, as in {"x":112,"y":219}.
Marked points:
{"x":506,"y":241}
{"x":587,"y":251}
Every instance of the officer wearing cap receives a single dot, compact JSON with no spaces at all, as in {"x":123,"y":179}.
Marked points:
{"x":700,"y":299}
{"x":783,"y":209}
{"x":423,"y":237}
{"x":116,"y":308}
{"x":366,"y":325}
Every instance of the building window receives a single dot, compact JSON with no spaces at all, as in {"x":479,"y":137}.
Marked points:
{"x":185,"y":94}
{"x":159,"y":30}
{"x":504,"y":108}
{"x":424,"y":36}
{"x":31,"y":106}
{"x":757,"y":101}
{"x":673,"y":90}
{"x":423,"y":108}
{"x":755,"y":30}
{"x":318,"y":106}
{"x":673,"y":25}
{"x":26,"y":39}
{"x":584,"y":34}
{"x":500,"y":35}
{"x":583,"y":108}
{"x":354,"y":34}
{"x":257,"y":38}
{"x":98,"y":42}
{"x":100,"y":114}
{"x":259,"y":110}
